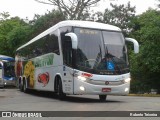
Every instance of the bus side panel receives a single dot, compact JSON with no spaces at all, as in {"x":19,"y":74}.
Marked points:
{"x":46,"y":68}
{"x":68,"y":80}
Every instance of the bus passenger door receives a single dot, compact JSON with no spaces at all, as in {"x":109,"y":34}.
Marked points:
{"x":67,"y":66}
{"x":67,"y":80}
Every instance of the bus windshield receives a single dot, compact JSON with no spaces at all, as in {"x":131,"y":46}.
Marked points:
{"x":9,"y":69}
{"x":101,"y":52}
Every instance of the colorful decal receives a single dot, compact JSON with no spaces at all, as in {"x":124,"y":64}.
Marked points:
{"x":44,"y":61}
{"x":29,"y":70}
{"x":43,"y":78}
{"x":18,"y":65}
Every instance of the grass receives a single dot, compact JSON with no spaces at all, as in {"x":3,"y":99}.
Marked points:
{"x":145,"y":95}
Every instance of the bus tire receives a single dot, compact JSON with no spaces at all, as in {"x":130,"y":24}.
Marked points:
{"x":20,"y":85}
{"x":102,"y":98}
{"x":60,"y":93}
{"x":25,"y":90}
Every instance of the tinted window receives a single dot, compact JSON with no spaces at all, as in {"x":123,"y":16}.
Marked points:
{"x":66,"y":45}
{"x":101,"y":52}
{"x":44,"y":45}
{"x":90,"y":47}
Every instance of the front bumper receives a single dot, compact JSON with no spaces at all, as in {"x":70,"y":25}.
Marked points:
{"x":9,"y":82}
{"x":116,"y":88}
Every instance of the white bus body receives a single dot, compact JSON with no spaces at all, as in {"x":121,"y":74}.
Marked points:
{"x":76,"y":57}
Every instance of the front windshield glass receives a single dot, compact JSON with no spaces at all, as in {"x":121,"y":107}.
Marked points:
{"x":9,"y":69}
{"x":101,"y":52}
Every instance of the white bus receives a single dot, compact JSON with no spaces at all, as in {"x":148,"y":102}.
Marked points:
{"x":76,"y":58}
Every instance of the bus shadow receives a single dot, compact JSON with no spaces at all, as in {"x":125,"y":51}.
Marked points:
{"x":71,"y":98}
{"x":81,"y":99}
{"x":9,"y":87}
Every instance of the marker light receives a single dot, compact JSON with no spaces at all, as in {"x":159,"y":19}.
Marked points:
{"x":84,"y":76}
{"x":126,"y":89}
{"x":127,"y":80}
{"x":87,"y":75}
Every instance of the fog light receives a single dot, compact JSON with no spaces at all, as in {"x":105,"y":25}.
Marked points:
{"x":127,"y":80}
{"x":126,"y":89}
{"x":81,"y":88}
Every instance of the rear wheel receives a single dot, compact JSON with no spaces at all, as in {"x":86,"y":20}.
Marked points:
{"x":102,"y":97}
{"x":20,"y":85}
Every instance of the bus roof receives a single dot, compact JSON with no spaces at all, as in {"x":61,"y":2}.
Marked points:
{"x":75,"y":23}
{"x":6,"y":58}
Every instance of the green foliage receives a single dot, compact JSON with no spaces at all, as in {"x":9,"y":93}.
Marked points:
{"x":18,"y":36}
{"x":4,"y":16}
{"x":41,"y":23}
{"x":14,"y":31}
{"x":146,"y":67}
{"x":120,"y":16}
{"x":6,"y":28}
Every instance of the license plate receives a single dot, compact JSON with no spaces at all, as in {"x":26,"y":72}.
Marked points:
{"x":106,"y":89}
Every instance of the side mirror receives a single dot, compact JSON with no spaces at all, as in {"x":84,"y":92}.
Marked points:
{"x":74,"y":40}
{"x":136,"y":45}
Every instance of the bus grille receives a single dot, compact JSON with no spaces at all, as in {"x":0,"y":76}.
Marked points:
{"x":100,"y":82}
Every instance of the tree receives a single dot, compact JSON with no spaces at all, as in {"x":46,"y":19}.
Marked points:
{"x":72,"y":9}
{"x":15,"y":32}
{"x":120,"y":16}
{"x":147,"y":63}
{"x":41,"y":23}
{"x":7,"y":26}
{"x":17,"y":37}
{"x":4,"y":16}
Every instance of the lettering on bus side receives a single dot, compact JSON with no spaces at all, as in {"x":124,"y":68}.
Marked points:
{"x":44,"y":61}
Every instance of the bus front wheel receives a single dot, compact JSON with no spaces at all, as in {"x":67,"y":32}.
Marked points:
{"x":61,"y":95}
{"x":102,"y":97}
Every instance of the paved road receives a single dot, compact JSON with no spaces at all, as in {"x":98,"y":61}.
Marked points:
{"x":13,"y":99}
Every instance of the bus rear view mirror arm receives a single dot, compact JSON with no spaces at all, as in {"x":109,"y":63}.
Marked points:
{"x":136,"y":45}
{"x":74,"y":40}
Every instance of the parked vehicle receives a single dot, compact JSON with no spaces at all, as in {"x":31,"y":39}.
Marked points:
{"x":7,"y":73}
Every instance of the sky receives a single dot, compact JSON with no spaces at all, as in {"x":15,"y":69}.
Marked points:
{"x":28,"y":8}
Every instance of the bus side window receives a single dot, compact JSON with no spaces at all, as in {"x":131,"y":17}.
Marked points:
{"x":67,"y":50}
{"x":66,"y":45}
{"x":53,"y":42}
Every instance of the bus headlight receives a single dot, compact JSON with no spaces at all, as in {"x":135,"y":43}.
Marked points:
{"x":127,"y":80}
{"x":82,"y":78}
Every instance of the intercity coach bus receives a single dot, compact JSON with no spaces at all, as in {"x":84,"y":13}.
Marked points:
{"x":7,"y":76}
{"x":76,"y":58}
